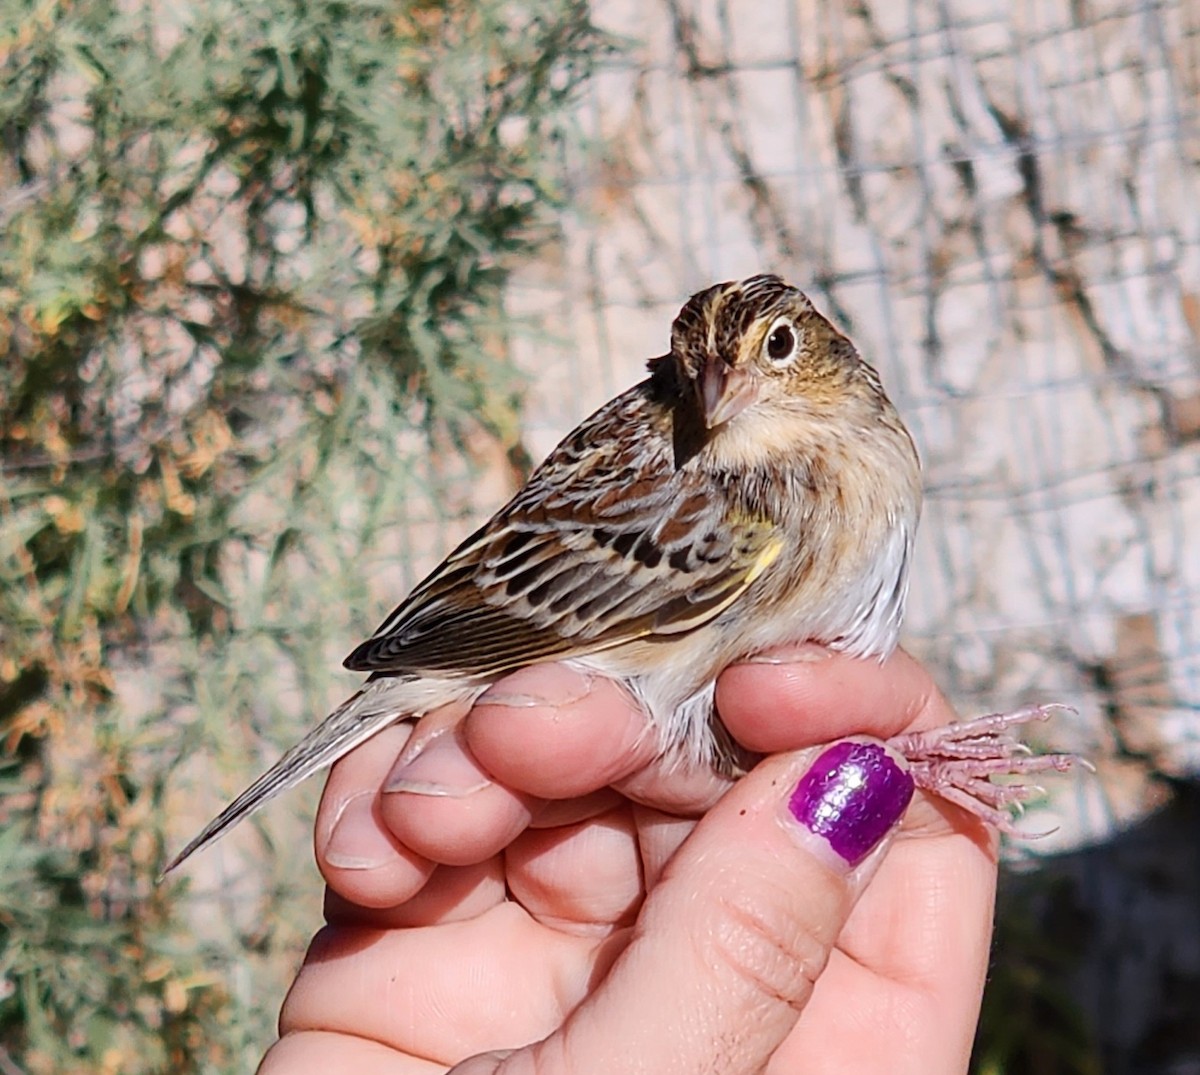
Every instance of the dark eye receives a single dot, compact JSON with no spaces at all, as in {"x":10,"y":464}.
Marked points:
{"x":781,"y":343}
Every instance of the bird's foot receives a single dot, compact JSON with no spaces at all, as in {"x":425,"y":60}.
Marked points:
{"x":958,"y":761}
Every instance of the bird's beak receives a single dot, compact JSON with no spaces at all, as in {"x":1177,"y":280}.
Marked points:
{"x":725,"y":391}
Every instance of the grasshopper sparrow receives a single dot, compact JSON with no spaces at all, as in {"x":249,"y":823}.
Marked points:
{"x":757,"y":488}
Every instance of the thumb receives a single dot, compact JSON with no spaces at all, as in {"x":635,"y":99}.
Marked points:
{"x":730,"y":943}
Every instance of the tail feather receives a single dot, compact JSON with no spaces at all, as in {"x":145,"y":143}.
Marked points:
{"x":353,"y":722}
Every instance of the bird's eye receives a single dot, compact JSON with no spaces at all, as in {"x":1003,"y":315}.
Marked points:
{"x":781,"y":343}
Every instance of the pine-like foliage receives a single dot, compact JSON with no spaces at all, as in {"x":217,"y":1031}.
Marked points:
{"x":251,"y":264}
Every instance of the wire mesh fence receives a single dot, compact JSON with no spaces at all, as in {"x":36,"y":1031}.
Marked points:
{"x":998,"y":202}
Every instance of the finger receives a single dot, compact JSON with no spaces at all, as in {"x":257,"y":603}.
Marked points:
{"x":583,"y":878}
{"x":572,"y":811}
{"x":490,"y":982}
{"x":910,"y":965}
{"x":452,"y":894}
{"x":792,"y":698}
{"x":786,"y":698}
{"x":557,"y":733}
{"x":445,"y":806}
{"x":356,"y":853}
{"x":660,"y":835}
{"x":681,"y":789}
{"x":725,"y":954}
{"x":318,"y":1052}
{"x":912,"y":959}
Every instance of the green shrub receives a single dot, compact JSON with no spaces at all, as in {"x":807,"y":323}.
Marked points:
{"x":251,"y":261}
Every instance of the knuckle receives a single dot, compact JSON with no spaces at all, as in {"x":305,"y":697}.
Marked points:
{"x":766,"y":948}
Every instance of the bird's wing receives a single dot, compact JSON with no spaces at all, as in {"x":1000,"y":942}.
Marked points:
{"x":608,"y":542}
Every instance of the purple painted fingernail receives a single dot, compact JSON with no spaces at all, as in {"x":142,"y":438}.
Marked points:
{"x":852,"y":796}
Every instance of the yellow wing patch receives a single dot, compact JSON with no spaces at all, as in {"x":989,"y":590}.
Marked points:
{"x":769,"y":554}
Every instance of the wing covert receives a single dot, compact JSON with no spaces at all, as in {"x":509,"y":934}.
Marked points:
{"x":606,"y":543}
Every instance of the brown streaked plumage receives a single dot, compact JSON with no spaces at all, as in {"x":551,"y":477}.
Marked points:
{"x":757,"y":488}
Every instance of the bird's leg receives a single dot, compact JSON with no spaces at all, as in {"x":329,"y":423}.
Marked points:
{"x":957,"y":762}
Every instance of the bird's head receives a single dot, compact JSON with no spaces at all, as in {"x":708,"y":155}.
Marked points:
{"x":754,"y":343}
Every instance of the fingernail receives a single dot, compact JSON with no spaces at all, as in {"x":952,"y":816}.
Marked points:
{"x":537,"y":686}
{"x":806,"y":653}
{"x":356,"y":841}
{"x":851,"y":797}
{"x":446,"y":767}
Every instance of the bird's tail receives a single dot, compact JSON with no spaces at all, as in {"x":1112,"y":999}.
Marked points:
{"x":358,"y":718}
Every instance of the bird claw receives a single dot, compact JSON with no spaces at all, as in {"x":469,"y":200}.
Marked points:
{"x":958,"y":761}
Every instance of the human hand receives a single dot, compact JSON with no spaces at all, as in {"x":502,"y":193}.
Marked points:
{"x":749,"y":946}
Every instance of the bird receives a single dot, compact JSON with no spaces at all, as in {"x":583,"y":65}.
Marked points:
{"x":757,"y":488}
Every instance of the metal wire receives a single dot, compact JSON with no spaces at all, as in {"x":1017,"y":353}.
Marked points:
{"x":998,"y":202}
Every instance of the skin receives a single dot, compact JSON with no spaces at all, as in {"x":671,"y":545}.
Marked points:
{"x":601,"y":953}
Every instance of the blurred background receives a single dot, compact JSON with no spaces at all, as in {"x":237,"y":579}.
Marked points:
{"x":293,"y":294}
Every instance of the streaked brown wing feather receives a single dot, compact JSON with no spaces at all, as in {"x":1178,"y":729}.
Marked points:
{"x":607,"y":542}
